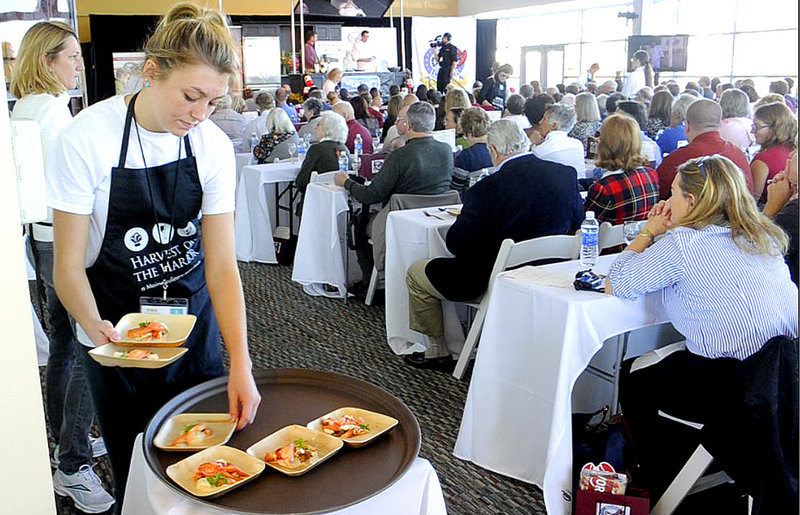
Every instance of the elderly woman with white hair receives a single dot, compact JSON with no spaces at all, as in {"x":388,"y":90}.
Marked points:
{"x":736,"y":120}
{"x":232,"y":123}
{"x":330,"y":133}
{"x":274,"y":144}
{"x":552,"y":141}
{"x":587,"y":113}
{"x":525,"y":198}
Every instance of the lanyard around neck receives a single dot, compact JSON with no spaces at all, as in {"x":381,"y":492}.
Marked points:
{"x":150,"y":186}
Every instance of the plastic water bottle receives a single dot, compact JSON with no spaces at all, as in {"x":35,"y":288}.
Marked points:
{"x":301,"y":150}
{"x":358,"y":149}
{"x":589,"y":234}
{"x":253,"y":142}
{"x":343,"y":165}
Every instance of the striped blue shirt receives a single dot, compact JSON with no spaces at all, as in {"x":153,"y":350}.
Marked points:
{"x":727,"y":303}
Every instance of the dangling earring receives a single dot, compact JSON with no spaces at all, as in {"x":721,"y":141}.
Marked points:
{"x":147,"y":83}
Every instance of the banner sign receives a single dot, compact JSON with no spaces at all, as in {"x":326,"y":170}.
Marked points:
{"x":425,"y":66}
{"x":352,"y":82}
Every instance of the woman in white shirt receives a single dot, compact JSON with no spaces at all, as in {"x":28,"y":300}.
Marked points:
{"x":142,"y":189}
{"x":641,"y":76}
{"x":48,"y":65}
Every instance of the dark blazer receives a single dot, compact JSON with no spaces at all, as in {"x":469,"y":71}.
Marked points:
{"x":527,"y":198}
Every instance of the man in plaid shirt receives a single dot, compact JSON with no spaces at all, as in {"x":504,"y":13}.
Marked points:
{"x":627,"y":190}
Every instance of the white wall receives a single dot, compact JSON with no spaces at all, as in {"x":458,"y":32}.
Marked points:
{"x":28,"y":489}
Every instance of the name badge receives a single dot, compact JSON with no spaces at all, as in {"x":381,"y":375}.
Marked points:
{"x":164,"y":306}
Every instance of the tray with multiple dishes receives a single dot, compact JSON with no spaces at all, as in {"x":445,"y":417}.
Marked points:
{"x":146,"y":341}
{"x":342,"y":438}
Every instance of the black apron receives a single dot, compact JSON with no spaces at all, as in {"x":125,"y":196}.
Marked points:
{"x":133,"y":262}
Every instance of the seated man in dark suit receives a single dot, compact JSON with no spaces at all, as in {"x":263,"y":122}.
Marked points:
{"x":525,"y":198}
{"x":423,"y":166}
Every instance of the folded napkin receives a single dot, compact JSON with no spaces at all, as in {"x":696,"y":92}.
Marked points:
{"x":540,"y":275}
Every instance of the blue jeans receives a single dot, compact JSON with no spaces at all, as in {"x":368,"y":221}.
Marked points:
{"x":69,"y":405}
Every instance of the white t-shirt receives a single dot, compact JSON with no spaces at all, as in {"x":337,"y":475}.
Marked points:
{"x":79,"y":171}
{"x":560,"y":148}
{"x":52,"y":114}
{"x":635,"y":82}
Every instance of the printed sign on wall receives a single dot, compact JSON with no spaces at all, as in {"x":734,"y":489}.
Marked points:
{"x":425,"y":31}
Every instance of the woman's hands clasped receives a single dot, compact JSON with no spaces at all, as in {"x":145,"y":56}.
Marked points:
{"x":659,"y":220}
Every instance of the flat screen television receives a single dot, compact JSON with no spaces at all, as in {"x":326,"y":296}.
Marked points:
{"x":344,"y":8}
{"x":667,"y":53}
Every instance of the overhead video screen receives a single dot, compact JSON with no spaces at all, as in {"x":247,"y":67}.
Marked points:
{"x":345,"y":8}
{"x":667,"y":53}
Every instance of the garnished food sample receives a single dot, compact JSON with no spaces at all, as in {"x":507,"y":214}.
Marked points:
{"x":192,"y":435}
{"x":291,"y":455}
{"x":137,"y":354}
{"x":345,"y":426}
{"x":213,"y":474}
{"x":148,"y":332}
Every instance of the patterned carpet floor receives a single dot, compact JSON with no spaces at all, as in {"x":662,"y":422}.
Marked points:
{"x":289,"y":329}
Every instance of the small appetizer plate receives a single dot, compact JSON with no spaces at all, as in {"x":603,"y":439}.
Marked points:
{"x":183,"y":471}
{"x":219,"y":423}
{"x":325,"y":445}
{"x":378,"y":424}
{"x":179,"y":327}
{"x":105,"y":356}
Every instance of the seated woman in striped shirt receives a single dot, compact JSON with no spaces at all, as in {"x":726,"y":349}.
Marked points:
{"x":726,"y":288}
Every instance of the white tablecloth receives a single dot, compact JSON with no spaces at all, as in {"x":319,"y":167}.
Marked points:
{"x":411,"y":236}
{"x":255,"y":202}
{"x":417,"y":492}
{"x":536,"y":341}
{"x":319,"y":258}
{"x":242,"y":159}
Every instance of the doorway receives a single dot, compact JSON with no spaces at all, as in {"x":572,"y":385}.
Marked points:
{"x":544,"y":63}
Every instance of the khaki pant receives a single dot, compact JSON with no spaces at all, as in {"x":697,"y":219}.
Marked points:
{"x":425,"y":309}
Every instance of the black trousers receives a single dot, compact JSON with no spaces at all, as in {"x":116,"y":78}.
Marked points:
{"x":686,"y":386}
{"x":443,"y":78}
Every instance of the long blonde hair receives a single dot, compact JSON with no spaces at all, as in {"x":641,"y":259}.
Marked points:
{"x":189,"y":34}
{"x":722,"y":199}
{"x":39,"y":45}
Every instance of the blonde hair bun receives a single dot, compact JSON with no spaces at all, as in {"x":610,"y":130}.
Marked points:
{"x":190,"y":34}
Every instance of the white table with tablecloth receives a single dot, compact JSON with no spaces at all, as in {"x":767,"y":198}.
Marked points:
{"x":319,"y":257}
{"x":417,"y":492}
{"x":411,"y":236}
{"x":537,"y":339}
{"x":255,"y":201}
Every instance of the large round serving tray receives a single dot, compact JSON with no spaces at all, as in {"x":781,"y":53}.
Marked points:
{"x":293,"y":396}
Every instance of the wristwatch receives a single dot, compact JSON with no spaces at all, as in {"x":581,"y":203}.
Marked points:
{"x":647,"y":234}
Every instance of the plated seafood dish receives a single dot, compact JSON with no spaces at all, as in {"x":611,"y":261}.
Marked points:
{"x":137,"y":354}
{"x":192,"y":434}
{"x":148,"y":332}
{"x":217,"y":473}
{"x":294,"y":454}
{"x":345,"y":426}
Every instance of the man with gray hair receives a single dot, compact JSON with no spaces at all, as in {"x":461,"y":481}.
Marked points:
{"x":525,"y":198}
{"x":552,"y":141}
{"x":423,"y":166}
{"x":671,"y":138}
{"x":232,"y":123}
{"x":703,"y":123}
{"x":608,"y":87}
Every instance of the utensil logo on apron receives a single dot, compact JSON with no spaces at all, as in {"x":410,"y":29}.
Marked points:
{"x":173,"y":262}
